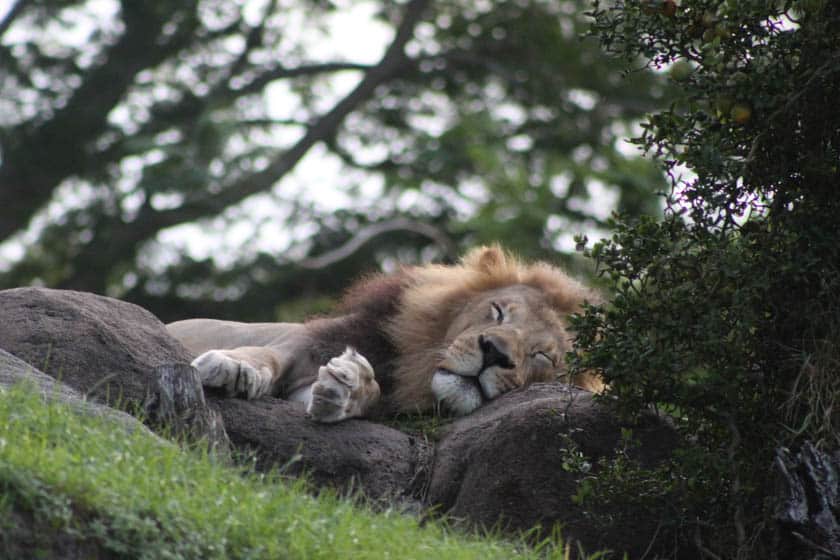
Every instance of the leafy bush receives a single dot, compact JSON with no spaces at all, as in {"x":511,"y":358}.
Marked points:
{"x":726,"y":312}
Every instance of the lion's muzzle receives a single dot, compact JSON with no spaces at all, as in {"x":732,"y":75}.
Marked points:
{"x":456,"y":393}
{"x":478,"y":367}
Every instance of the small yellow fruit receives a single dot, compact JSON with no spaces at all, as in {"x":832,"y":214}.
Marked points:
{"x":680,"y":70}
{"x":741,"y":113}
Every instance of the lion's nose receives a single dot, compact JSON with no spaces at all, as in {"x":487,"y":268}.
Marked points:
{"x":494,"y":352}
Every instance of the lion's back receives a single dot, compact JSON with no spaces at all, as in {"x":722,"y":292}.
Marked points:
{"x":201,"y":335}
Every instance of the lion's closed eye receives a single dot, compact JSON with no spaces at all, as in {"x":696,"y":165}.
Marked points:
{"x":497,"y":313}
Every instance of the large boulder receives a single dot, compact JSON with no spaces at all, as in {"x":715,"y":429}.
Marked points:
{"x":110,"y":351}
{"x":510,"y":464}
{"x":100,"y":346}
{"x":14,"y":371}
{"x":357,"y":455}
{"x":500,"y":467}
{"x":807,"y":512}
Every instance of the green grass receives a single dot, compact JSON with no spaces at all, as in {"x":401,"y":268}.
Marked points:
{"x":428,"y":426}
{"x":81,"y":480}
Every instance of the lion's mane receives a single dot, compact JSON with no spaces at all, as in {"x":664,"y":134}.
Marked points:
{"x":399,"y":321}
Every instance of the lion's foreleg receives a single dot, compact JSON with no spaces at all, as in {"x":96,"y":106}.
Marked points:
{"x":248,"y":371}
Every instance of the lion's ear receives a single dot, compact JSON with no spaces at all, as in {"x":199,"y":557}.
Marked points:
{"x":486,"y":259}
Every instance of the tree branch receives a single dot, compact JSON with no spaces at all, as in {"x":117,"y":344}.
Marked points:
{"x":280,"y":72}
{"x":180,"y":113}
{"x":253,"y":39}
{"x":37,"y":159}
{"x":11,"y":15}
{"x":323,"y":128}
{"x":367,"y":233}
{"x":117,"y":241}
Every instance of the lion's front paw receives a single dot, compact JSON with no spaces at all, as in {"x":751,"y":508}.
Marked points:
{"x":345,"y":388}
{"x":236,"y":376}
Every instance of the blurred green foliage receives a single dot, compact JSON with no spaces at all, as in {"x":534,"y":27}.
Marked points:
{"x":726,"y":313}
{"x":122,"y":121}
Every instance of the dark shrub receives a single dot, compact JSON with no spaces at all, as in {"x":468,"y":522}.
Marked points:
{"x":726,"y":311}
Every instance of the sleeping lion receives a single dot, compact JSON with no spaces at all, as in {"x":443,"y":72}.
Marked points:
{"x":425,"y":338}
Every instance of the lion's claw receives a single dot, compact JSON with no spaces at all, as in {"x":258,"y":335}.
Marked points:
{"x":236,"y":376}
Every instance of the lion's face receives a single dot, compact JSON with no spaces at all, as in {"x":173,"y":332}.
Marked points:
{"x":502,"y":339}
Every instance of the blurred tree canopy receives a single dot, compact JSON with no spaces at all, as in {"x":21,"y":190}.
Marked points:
{"x":127,"y":127}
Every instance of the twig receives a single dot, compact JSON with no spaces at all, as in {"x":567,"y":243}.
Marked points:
{"x":13,"y":13}
{"x":698,"y":542}
{"x":367,"y":233}
{"x":652,"y":540}
{"x":95,"y":387}
{"x":738,"y":515}
{"x":814,"y":546}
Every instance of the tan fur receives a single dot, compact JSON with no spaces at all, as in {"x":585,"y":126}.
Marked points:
{"x":435,"y":296}
{"x":423,"y":327}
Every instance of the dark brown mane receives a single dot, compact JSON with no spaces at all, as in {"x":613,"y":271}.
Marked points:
{"x":376,"y":294}
{"x":360,"y":321}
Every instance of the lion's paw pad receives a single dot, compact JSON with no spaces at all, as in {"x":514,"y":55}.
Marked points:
{"x":235,"y":376}
{"x":345,"y":386}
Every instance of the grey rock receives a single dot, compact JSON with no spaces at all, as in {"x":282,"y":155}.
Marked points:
{"x":503,"y":466}
{"x":175,"y":401}
{"x":808,"y":503}
{"x":100,"y":346}
{"x":352,"y":456}
{"x":111,"y":352}
{"x":14,"y":371}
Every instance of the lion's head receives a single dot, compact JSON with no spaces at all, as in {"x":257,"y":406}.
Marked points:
{"x":468,"y":333}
